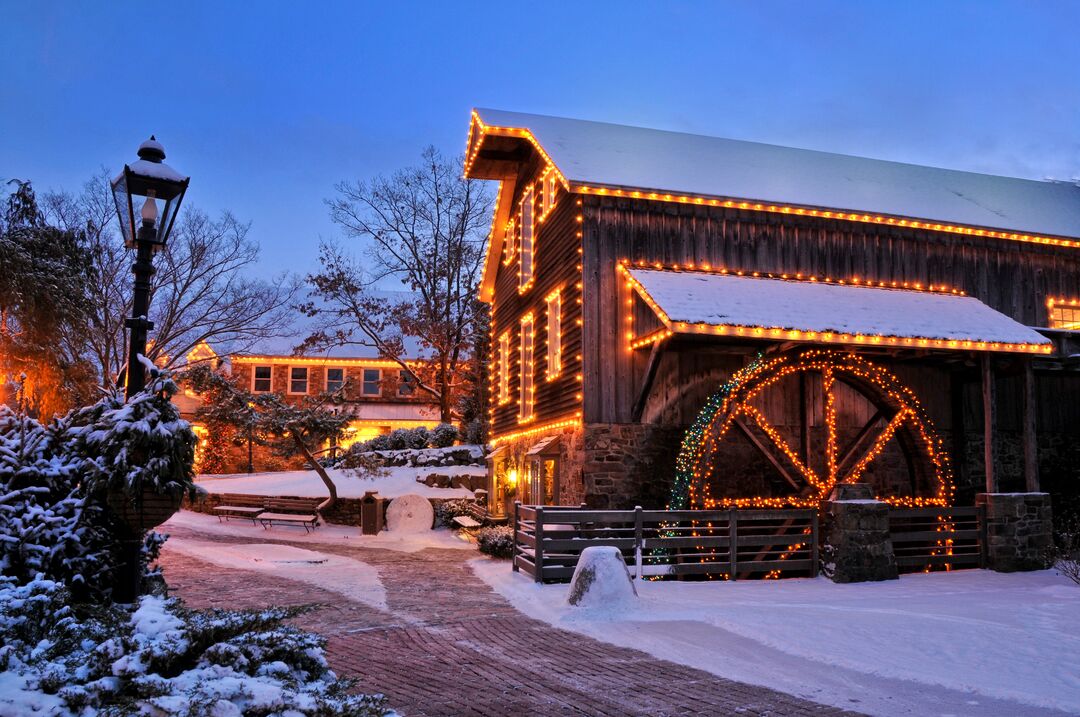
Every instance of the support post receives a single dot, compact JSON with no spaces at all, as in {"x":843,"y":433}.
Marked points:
{"x":639,"y":530}
{"x":1031,"y":442}
{"x":804,"y":417}
{"x":959,"y":427}
{"x":514,"y":524}
{"x":989,"y":407}
{"x":539,"y":552}
{"x":733,"y":538}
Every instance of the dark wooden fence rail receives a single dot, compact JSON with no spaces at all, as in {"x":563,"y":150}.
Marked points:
{"x":937,"y":538}
{"x":721,"y":543}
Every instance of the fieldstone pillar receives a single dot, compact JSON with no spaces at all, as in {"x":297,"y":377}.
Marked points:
{"x":859,"y":535}
{"x":1017,"y":530}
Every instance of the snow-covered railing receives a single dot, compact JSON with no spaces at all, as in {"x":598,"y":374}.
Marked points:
{"x":720,"y":543}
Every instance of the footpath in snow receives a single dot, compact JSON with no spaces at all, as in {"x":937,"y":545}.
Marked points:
{"x":968,"y":643}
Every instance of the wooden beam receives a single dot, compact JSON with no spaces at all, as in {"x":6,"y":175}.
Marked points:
{"x":854,"y":447}
{"x":1031,"y":444}
{"x":805,"y":414}
{"x":767,"y":453}
{"x":989,"y":406}
{"x":959,"y":429}
{"x":647,"y":382}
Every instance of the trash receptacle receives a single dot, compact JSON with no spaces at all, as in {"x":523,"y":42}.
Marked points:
{"x":371,"y":513}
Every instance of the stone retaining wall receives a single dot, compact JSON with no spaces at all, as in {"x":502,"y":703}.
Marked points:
{"x":345,"y":512}
{"x":1018,"y":530}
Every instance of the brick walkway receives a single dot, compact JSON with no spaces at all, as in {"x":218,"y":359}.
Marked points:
{"x":450,"y":646}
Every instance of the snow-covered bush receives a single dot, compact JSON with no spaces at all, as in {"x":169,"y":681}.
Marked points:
{"x":496,"y":541}
{"x":161,"y":660}
{"x":1065,"y":555}
{"x":442,"y":436}
{"x":447,"y":510}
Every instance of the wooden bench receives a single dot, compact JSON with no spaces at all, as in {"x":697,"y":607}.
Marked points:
{"x":238,"y":507}
{"x":478,"y":516}
{"x":301,"y":511}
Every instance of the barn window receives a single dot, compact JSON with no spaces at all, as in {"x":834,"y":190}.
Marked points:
{"x":298,"y":376}
{"x":527,"y":395}
{"x":525,"y":274}
{"x":504,"y":369}
{"x":261,"y":379}
{"x":509,"y":243}
{"x":1063,"y":314}
{"x":550,"y":183}
{"x":554,"y":335}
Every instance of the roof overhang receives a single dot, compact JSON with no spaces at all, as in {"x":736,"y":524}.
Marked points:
{"x":722,"y":304}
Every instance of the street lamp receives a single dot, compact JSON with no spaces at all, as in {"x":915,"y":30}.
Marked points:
{"x":151,"y":180}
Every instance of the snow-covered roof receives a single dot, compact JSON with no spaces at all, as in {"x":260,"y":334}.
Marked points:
{"x":702,"y":302}
{"x":612,"y":155}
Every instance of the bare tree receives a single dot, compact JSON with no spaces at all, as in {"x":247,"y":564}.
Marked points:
{"x":424,"y":227}
{"x":199,"y":291}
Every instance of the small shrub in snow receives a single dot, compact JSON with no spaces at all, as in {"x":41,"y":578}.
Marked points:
{"x":162,"y":660}
{"x":442,"y":436}
{"x":447,"y":510}
{"x":496,"y":541}
{"x":1065,"y":555}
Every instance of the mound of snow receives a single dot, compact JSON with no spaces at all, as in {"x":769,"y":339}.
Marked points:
{"x":410,"y":514}
{"x":601,"y":580}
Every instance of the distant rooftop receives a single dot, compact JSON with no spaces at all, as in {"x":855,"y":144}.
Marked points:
{"x":618,"y":156}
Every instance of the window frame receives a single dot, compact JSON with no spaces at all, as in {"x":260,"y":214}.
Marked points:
{"x":1071,"y":307}
{"x":549,"y":188}
{"x":526,"y":263}
{"x":403,"y":383}
{"x":326,"y":379}
{"x":364,"y":382}
{"x":553,"y":363}
{"x":503,"y":375}
{"x":255,"y":379}
{"x":306,"y":380}
{"x":509,"y":242}
{"x":527,"y":369}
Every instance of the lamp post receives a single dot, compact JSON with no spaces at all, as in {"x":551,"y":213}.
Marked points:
{"x":151,"y":180}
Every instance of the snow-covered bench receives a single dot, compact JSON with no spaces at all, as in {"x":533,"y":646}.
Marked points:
{"x":478,"y":516}
{"x":300,"y":511}
{"x":238,"y":507}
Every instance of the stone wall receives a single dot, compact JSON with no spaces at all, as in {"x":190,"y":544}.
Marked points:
{"x":1018,"y":530}
{"x":618,"y":466}
{"x":858,"y":536}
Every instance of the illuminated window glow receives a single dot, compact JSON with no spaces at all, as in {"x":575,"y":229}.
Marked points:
{"x":1063,"y":314}
{"x":525,"y":274}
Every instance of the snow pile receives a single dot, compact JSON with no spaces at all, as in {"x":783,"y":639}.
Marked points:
{"x":969,"y":643}
{"x":409,"y":514}
{"x":601,"y":580}
{"x":395,"y":482}
{"x":161,"y":660}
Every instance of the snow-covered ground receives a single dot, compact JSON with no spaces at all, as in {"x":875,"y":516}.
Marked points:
{"x":964,"y":643}
{"x":398,"y":481}
{"x":325,"y":534}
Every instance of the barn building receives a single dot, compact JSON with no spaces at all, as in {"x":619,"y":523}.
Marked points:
{"x":698,"y":322}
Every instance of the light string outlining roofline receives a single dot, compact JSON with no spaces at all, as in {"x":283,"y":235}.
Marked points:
{"x":790,"y":333}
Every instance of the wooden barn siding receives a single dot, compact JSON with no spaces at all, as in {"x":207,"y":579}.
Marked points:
{"x":556,"y":259}
{"x":1012,"y":277}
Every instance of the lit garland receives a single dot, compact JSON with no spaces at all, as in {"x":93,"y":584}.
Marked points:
{"x":695,"y":462}
{"x":554,"y":335}
{"x":572,"y":421}
{"x":803,"y":335}
{"x":504,"y":369}
{"x":526,"y":370}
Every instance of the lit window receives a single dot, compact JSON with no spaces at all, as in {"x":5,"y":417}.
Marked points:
{"x":550,"y":184}
{"x":406,"y":385}
{"x":504,"y":368}
{"x":554,"y":335}
{"x":526,"y":398}
{"x":372,"y":385}
{"x":261,"y":379}
{"x":335,"y":379}
{"x":298,"y":379}
{"x":509,"y":243}
{"x":1064,"y":314}
{"x":525,"y":275}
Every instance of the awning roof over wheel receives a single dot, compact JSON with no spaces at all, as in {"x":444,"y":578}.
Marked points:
{"x":818,"y":311}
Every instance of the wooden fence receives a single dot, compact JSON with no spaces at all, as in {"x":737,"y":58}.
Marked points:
{"x":937,"y":538}
{"x":719,"y":543}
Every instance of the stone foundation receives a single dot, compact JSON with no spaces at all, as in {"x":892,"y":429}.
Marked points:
{"x":859,"y":536}
{"x":1018,"y":530}
{"x":618,"y":466}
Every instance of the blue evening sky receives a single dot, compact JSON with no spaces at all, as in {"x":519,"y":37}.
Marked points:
{"x":268,"y":104}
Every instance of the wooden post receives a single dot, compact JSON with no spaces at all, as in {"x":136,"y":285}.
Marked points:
{"x":514,"y":520}
{"x":733,"y":536}
{"x":804,"y":417}
{"x":1031,"y":443}
{"x":814,"y":544}
{"x":959,"y":429}
{"x":539,"y":552}
{"x":989,"y":406}
{"x":638,"y":535}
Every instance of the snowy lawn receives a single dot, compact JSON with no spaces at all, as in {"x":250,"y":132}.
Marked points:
{"x":399,"y":481}
{"x":325,"y":534}
{"x":964,"y":643}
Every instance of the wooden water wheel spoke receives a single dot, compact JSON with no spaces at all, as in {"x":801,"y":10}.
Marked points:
{"x":828,"y":386}
{"x":879,"y":444}
{"x":780,"y":444}
{"x":855,"y":448}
